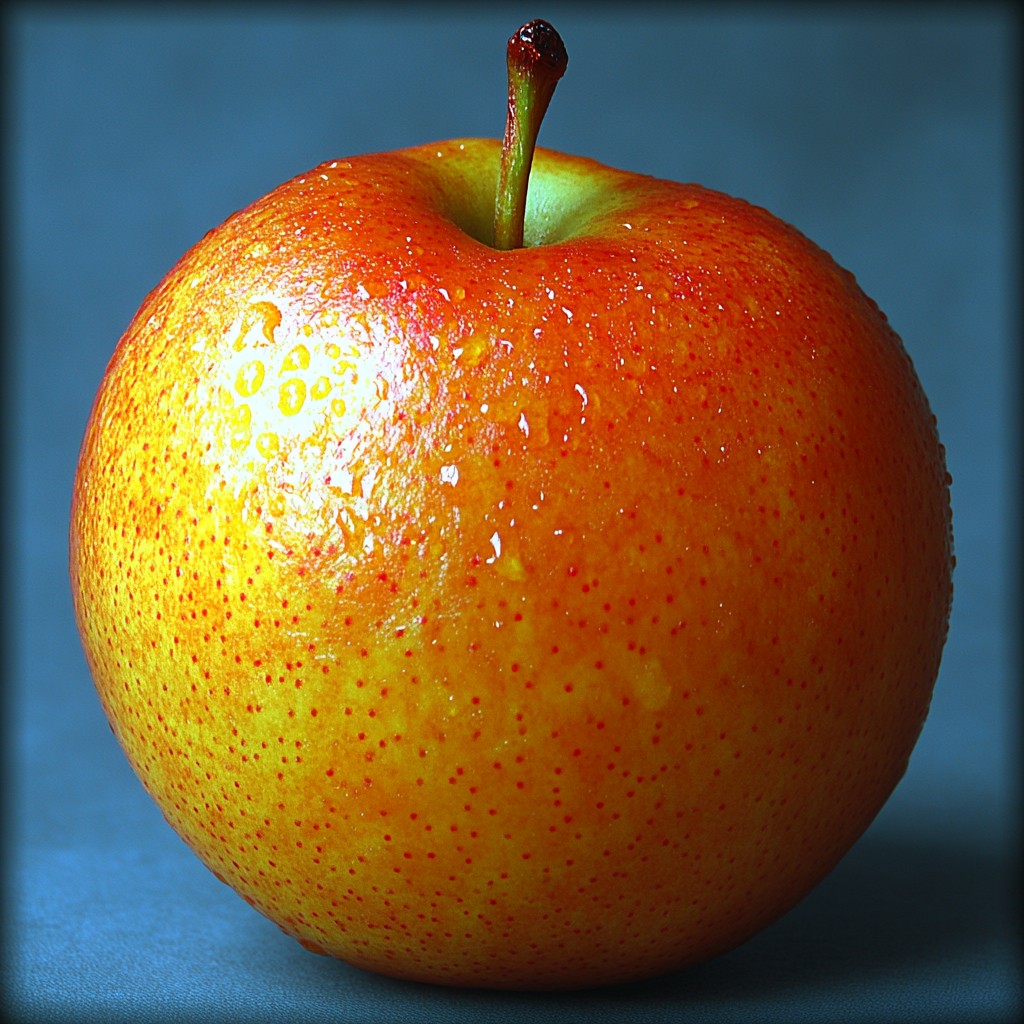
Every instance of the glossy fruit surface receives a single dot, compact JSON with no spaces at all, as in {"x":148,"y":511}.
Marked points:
{"x":540,"y":618}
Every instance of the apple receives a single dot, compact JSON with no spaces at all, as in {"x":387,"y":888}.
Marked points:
{"x":534,"y":600}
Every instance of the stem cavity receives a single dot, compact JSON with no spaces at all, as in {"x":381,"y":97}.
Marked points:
{"x":537,"y":59}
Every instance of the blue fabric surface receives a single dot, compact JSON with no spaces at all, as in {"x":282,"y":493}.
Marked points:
{"x":886,"y":134}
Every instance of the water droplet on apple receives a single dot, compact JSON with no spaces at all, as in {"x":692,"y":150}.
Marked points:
{"x":473,"y":350}
{"x":536,"y":416}
{"x":450,"y":475}
{"x":259,"y":322}
{"x":297,"y":359}
{"x":240,"y":415}
{"x":249,"y":378}
{"x":321,"y":388}
{"x":751,"y":305}
{"x":293,"y":396}
{"x":268,"y":444}
{"x":496,"y":545}
{"x":652,"y":688}
{"x":240,"y":440}
{"x":368,"y":479}
{"x":511,"y":568}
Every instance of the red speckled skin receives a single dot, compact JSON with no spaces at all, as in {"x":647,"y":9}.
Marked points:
{"x":532,"y":619}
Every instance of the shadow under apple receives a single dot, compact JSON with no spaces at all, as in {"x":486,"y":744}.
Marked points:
{"x":893,"y":906}
{"x":895,"y":910}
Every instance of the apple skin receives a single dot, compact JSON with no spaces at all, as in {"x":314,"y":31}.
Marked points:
{"x":532,"y":619}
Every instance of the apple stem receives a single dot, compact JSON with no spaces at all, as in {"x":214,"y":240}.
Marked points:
{"x":536,"y":61}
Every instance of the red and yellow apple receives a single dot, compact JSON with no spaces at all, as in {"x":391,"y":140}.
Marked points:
{"x":529,"y":618}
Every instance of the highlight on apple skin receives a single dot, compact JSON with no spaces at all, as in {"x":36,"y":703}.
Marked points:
{"x":535,"y":617}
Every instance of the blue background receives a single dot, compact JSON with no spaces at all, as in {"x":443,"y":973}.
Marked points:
{"x":886,"y":134}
